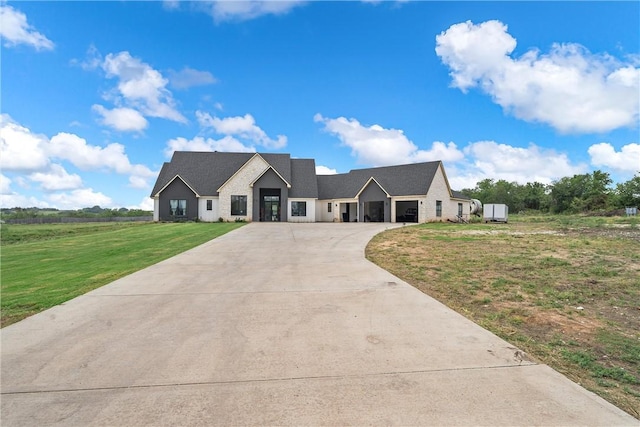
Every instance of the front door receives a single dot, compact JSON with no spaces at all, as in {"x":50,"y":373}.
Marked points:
{"x":271,"y":208}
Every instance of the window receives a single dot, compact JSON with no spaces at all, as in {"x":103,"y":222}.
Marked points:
{"x":438,"y":208}
{"x":178,"y":207}
{"x":298,"y":208}
{"x":460,"y":209}
{"x":209,"y":205}
{"x":329,"y":207}
{"x":238,"y":205}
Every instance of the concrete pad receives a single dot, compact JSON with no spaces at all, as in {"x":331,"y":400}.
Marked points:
{"x":282,"y":324}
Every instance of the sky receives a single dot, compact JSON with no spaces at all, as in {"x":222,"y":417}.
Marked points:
{"x":95,"y":96}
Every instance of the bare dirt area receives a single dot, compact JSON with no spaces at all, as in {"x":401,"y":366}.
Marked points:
{"x":565,"y":291}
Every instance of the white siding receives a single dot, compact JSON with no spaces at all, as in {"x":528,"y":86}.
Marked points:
{"x":336,"y":211}
{"x":311,"y":211}
{"x":238,"y":185}
{"x":466,"y":204}
{"x":156,"y":209}
{"x":205,"y":215}
{"x":322,"y":210}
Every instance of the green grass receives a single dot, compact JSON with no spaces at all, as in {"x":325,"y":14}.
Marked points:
{"x":18,"y":233}
{"x":564,"y":289}
{"x":588,"y":361}
{"x":46,"y":265}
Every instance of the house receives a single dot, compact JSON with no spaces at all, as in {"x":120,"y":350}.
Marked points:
{"x":210,"y":186}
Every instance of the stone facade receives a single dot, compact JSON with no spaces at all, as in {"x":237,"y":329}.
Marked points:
{"x":439,"y":191}
{"x":239,"y":185}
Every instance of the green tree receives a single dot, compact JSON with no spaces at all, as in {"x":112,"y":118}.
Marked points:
{"x":536,"y":196}
{"x":582,"y":193}
{"x":628,"y":193}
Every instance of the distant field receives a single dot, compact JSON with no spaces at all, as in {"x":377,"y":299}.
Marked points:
{"x":565,"y":289}
{"x":46,"y":265}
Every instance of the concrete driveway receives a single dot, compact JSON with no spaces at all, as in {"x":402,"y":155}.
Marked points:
{"x":275,"y":324}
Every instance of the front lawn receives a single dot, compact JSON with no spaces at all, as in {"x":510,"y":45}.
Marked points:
{"x":46,"y":265}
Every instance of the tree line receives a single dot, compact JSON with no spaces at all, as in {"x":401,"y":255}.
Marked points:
{"x":92,"y":212}
{"x":590,"y":192}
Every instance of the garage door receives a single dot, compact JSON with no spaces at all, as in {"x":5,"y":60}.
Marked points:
{"x":407,"y":211}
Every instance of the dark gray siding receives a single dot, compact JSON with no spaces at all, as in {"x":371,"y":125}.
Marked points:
{"x":270,"y":180}
{"x":373,"y":193}
{"x":178,"y":190}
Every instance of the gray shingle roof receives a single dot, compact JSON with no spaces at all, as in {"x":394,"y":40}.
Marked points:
{"x":281,"y":163}
{"x":305,"y":182}
{"x":459,"y":195}
{"x":400,"y":180}
{"x":205,"y":172}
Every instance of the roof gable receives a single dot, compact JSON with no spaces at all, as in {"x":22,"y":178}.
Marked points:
{"x":171,"y":181}
{"x":372,"y":179}
{"x":401,"y":180}
{"x":204,"y":171}
{"x":238,"y":171}
{"x":265,"y":171}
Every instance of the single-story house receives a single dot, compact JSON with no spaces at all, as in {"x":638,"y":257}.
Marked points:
{"x":210,"y":186}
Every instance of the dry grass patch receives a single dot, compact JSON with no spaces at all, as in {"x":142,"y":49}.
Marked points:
{"x":565,"y":290}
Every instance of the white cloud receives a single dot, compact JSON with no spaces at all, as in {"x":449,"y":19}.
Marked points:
{"x":242,"y":127}
{"x":377,"y":146}
{"x":447,"y":152}
{"x":141,"y":90}
{"x":56,"y":178}
{"x":15,"y":200}
{"x":15,"y":30}
{"x":141,"y":87}
{"x":81,"y":198}
{"x":22,"y":182}
{"x":171,"y":4}
{"x":92,"y":61}
{"x":146,"y":204}
{"x":188,"y":77}
{"x":625,"y":160}
{"x":122,"y":119}
{"x":5,"y":185}
{"x":324,"y":170}
{"x":568,"y":88}
{"x":228,"y":143}
{"x":489,"y":159}
{"x":28,"y":153}
{"x":70,"y":147}
{"x":138,"y":182}
{"x":245,"y":10}
{"x":20,"y":149}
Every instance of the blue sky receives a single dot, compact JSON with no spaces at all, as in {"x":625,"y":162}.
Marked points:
{"x":97,"y":95}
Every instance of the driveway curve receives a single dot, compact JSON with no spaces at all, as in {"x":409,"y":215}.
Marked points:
{"x":275,"y":324}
